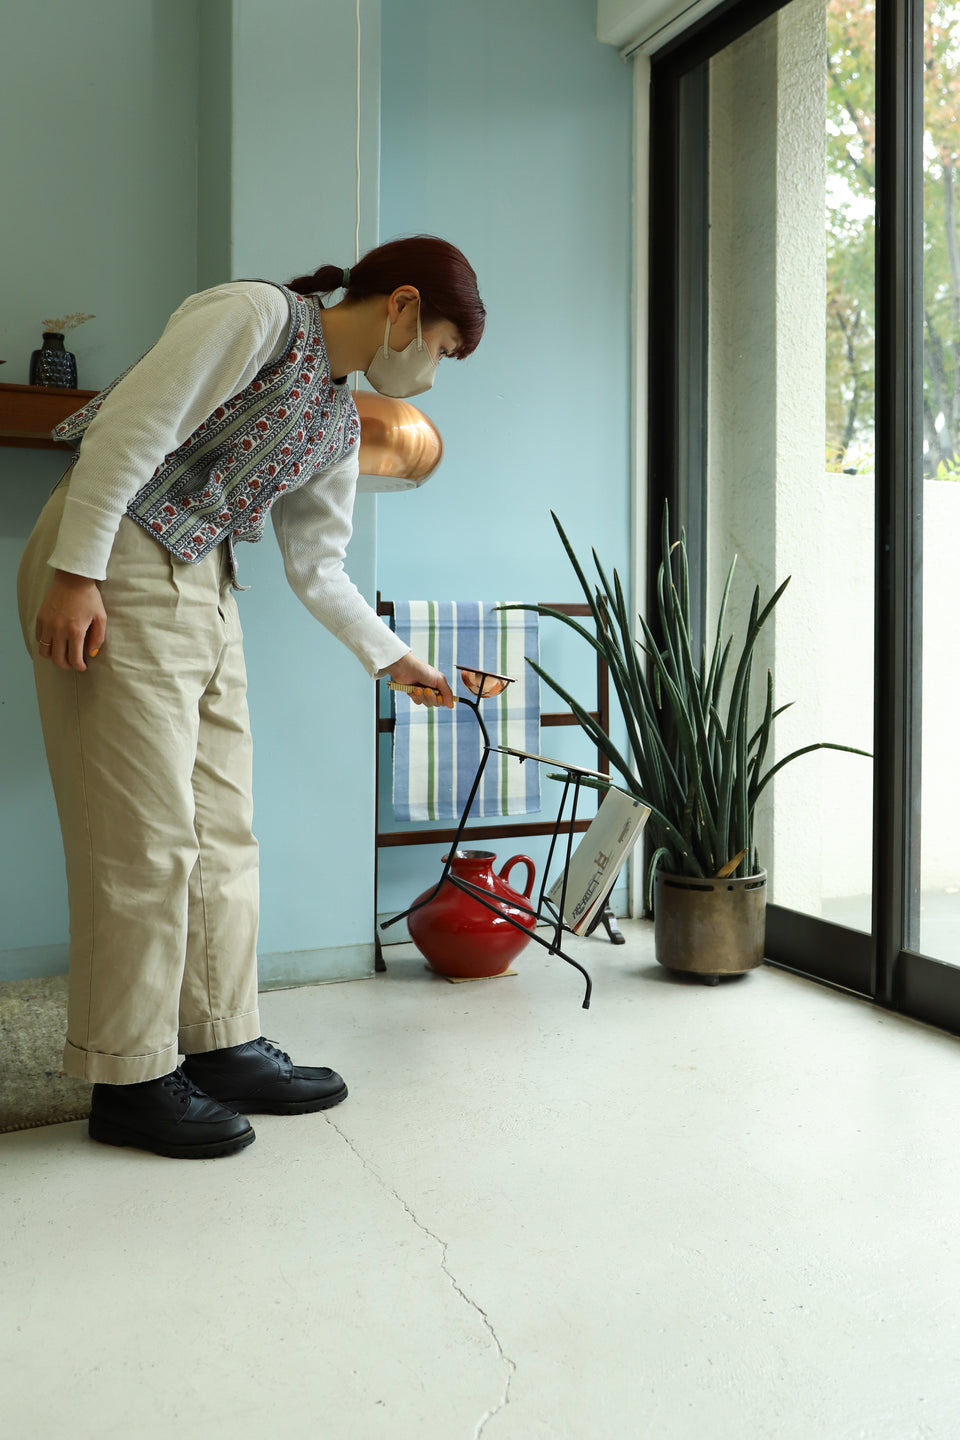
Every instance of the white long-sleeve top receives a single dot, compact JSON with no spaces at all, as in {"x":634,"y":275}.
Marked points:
{"x":212,"y":348}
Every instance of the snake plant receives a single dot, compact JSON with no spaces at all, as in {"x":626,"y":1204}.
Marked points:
{"x":694,"y":757}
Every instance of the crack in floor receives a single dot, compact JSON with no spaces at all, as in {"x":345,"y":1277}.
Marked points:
{"x":472,"y":1304}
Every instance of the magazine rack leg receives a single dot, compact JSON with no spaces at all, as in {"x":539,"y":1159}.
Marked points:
{"x":445,"y":873}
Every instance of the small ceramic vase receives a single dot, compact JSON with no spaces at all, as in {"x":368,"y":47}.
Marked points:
{"x":53,"y":365}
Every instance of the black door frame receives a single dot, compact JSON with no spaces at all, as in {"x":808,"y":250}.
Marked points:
{"x":884,"y":966}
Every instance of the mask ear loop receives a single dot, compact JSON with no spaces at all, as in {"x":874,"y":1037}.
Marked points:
{"x":386,"y":335}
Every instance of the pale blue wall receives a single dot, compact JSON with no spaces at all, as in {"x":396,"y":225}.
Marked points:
{"x":506,"y":129}
{"x":105,"y":169}
{"x":98,"y":111}
{"x":293,"y":208}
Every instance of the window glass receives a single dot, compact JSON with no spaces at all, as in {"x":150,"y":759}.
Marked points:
{"x":790,"y":421}
{"x":939,"y":920}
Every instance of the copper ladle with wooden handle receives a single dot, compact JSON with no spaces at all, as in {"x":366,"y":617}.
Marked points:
{"x":475,"y":680}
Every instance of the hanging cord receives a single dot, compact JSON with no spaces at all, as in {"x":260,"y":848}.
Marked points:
{"x":356,"y":232}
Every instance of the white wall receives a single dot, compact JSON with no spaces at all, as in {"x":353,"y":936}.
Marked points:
{"x":646,"y":23}
{"x":939,"y":849}
{"x":834,"y":792}
{"x":743,"y":354}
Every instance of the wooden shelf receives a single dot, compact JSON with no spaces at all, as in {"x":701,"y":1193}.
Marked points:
{"x":29,"y":412}
{"x":395,"y":438}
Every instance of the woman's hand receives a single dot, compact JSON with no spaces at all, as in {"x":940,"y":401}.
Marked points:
{"x":71,"y":622}
{"x":432,"y":687}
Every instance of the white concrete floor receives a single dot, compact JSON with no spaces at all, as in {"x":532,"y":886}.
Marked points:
{"x":688,"y":1213}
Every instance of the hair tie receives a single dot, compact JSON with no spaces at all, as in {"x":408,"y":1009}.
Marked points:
{"x":346,"y":277}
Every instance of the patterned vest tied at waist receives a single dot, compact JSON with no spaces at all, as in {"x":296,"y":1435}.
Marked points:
{"x":220,"y":484}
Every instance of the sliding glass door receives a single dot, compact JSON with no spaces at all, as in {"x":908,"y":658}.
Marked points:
{"x":805,"y":418}
{"x":936,"y":924}
{"x":790,"y":449}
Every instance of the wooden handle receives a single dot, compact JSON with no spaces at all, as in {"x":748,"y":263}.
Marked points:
{"x":409,"y":689}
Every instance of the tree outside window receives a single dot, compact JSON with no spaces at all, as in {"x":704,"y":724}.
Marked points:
{"x":851,"y":192}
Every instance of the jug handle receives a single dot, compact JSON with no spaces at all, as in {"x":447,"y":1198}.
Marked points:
{"x":531,"y":871}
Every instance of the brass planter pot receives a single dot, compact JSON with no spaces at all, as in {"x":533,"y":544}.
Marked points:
{"x":709,"y":927}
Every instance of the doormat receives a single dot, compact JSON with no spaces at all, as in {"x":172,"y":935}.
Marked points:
{"x":33,"y":1025}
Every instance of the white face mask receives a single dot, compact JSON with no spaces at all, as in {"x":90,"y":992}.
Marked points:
{"x":401,"y":373}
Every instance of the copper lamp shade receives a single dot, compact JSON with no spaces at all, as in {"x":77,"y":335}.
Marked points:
{"x":399,"y":446}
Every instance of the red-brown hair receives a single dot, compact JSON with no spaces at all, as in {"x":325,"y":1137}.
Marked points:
{"x":442,"y":274}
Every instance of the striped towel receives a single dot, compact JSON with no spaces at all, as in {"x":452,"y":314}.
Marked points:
{"x":436,"y":751}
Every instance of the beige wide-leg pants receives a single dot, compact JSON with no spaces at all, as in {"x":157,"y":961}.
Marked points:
{"x":150,"y":756}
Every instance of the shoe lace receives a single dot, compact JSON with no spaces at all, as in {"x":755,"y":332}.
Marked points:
{"x":177,"y":1080}
{"x":275,"y":1050}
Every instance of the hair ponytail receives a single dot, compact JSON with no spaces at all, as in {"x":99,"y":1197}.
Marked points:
{"x":321,"y":282}
{"x":438,"y":270}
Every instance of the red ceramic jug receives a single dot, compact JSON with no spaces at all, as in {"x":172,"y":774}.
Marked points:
{"x":458,"y":935}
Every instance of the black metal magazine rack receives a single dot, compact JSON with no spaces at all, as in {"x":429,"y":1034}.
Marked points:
{"x":515,"y":829}
{"x":572,"y":777}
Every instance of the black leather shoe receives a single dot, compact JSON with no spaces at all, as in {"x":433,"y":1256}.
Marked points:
{"x":258,"y":1078}
{"x":170,"y":1116}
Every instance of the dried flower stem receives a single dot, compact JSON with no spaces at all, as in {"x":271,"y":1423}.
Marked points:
{"x":69,"y":322}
